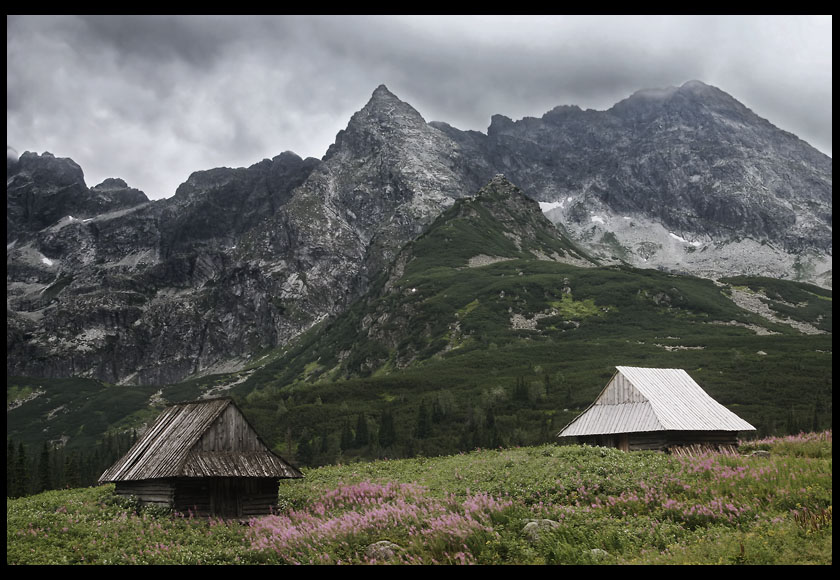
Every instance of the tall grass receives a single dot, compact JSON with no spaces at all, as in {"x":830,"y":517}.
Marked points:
{"x":588,"y":505}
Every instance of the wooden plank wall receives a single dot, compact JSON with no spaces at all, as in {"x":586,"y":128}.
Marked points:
{"x":253,"y":496}
{"x":192,"y":495}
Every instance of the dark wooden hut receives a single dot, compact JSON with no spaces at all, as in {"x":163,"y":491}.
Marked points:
{"x":205,"y":458}
{"x":661,"y":409}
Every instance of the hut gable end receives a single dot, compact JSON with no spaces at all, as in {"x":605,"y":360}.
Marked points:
{"x":229,"y":432}
{"x":620,"y":390}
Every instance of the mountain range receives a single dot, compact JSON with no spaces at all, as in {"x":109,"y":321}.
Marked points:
{"x":105,"y":284}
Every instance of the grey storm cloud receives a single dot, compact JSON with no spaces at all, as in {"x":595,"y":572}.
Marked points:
{"x":152,"y":98}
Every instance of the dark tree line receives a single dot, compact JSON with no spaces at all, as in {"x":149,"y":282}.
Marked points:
{"x":435,"y":427}
{"x":37,"y":468}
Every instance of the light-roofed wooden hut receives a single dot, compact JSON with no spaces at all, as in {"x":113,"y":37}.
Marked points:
{"x":202,"y":457}
{"x":649,"y":408}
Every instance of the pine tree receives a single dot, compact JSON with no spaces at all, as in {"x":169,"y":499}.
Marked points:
{"x":792,"y":424}
{"x":546,"y":433}
{"x":21,"y":483}
{"x":423,"y":422}
{"x":490,"y":418}
{"x":437,"y":411}
{"x":815,"y":418}
{"x":387,"y":434}
{"x":72,"y":475}
{"x":346,"y":441}
{"x":305,"y":452}
{"x":325,"y":441}
{"x":362,"y":436}
{"x":11,"y":468}
{"x":495,"y":438}
{"x":44,"y":469}
{"x":520,"y":390}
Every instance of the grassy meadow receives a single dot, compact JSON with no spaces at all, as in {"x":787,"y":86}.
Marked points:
{"x":543,"y":504}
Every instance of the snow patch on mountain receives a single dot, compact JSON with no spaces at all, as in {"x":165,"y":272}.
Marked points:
{"x":641,"y":241}
{"x":683,"y":240}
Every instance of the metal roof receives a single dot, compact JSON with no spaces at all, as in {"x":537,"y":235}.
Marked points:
{"x":648,"y":399}
{"x":169,"y":449}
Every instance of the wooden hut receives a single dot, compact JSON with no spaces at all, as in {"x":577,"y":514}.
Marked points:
{"x":662,"y":409}
{"x":205,"y":458}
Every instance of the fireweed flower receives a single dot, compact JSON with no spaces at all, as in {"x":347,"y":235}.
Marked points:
{"x":373,"y":509}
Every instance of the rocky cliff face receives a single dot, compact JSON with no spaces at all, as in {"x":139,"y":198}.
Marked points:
{"x":101,"y":282}
{"x":151,"y":292}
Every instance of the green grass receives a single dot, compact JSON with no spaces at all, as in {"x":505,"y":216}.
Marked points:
{"x":604,"y":507}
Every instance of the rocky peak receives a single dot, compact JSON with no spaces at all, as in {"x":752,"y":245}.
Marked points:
{"x":562,"y":114}
{"x":700,"y":90}
{"x":114,"y":193}
{"x":388,"y":175}
{"x":500,"y":188}
{"x":382,"y":94}
{"x":509,"y":205}
{"x":40,"y":190}
{"x":386,"y":156}
{"x":386,"y":109}
{"x":698,"y":87}
{"x":384,"y":118}
{"x":694,"y":102}
{"x":499,"y":124}
{"x":49,"y":170}
{"x":111,"y":183}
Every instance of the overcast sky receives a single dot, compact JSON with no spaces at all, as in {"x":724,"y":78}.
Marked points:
{"x":152,"y":99}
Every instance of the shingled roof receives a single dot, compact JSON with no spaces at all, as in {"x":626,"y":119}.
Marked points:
{"x":186,"y":441}
{"x":650,"y":399}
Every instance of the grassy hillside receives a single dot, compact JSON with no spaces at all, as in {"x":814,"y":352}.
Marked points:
{"x":531,"y":505}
